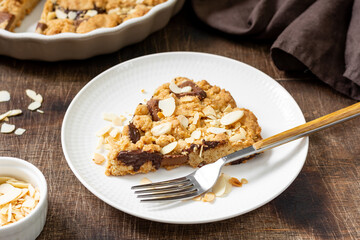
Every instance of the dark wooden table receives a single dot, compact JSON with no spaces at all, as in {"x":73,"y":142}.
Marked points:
{"x":322,"y":203}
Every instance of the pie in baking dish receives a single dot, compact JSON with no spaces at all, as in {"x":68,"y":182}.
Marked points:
{"x":77,"y":16}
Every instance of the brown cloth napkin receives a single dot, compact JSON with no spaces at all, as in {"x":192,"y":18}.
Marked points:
{"x":320,"y":35}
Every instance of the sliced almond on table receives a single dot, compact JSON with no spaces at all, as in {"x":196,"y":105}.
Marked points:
{"x":161,"y":129}
{"x":7,"y":128}
{"x":167,"y":106}
{"x":34,"y":105}
{"x":19,"y":131}
{"x":216,"y":130}
{"x":39,"y":111}
{"x":34,"y":96}
{"x":168,"y":148}
{"x":232,"y":117}
{"x":14,"y":112}
{"x":4,"y":96}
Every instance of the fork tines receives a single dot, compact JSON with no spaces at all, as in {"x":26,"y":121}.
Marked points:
{"x":175,"y":189}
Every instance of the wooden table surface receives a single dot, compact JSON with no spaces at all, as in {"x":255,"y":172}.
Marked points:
{"x":322,"y":203}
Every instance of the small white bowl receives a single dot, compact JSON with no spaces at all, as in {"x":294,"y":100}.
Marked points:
{"x":31,"y":226}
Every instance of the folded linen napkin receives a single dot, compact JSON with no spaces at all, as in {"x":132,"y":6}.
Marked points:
{"x":320,"y":35}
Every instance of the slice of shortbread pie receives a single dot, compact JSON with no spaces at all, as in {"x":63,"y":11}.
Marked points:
{"x":184,"y":123}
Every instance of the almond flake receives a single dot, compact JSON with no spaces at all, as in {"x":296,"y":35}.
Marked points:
{"x":34,"y":105}
{"x":167,"y":106}
{"x":186,"y":89}
{"x":196,"y":134}
{"x":29,"y":202}
{"x":216,"y":130}
{"x":232,"y":117}
{"x":14,"y":112}
{"x":174,"y":88}
{"x":201,"y":151}
{"x":228,"y":109}
{"x":39,"y":111}
{"x":19,"y":131}
{"x":10,"y":196}
{"x":119,"y":120}
{"x":4,"y":96}
{"x":103,"y":131}
{"x":196,"y":118}
{"x":168,"y":148}
{"x":235,"y":182}
{"x":187,"y":99}
{"x":91,"y":13}
{"x":60,"y":14}
{"x":4,"y":115}
{"x":145,"y":181}
{"x":160,"y":115}
{"x":98,"y":158}
{"x":209,"y":111}
{"x":244,"y":181}
{"x":9,"y":213}
{"x":189,"y":140}
{"x":183,"y":121}
{"x":109,"y":116}
{"x":72,"y":15}
{"x":161,"y":129}
{"x":113,"y":133}
{"x":208,"y":197}
{"x":220,"y":186}
{"x":7,"y":128}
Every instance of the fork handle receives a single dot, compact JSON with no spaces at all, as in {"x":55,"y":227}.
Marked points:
{"x":309,"y":127}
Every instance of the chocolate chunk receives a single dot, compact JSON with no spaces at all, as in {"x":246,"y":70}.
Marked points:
{"x":153,"y":107}
{"x":195,"y":90}
{"x":137,"y":158}
{"x":41,"y":26}
{"x":134,"y":133}
{"x":210,"y":144}
{"x":170,"y":160}
{"x":206,"y":145}
{"x":6,"y":17}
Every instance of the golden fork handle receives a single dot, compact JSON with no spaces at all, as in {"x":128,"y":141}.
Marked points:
{"x":317,"y":124}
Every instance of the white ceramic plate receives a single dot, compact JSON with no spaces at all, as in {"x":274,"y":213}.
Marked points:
{"x":26,"y":44}
{"x":118,"y":90}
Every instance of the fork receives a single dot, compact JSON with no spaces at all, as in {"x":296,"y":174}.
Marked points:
{"x":203,"y":179}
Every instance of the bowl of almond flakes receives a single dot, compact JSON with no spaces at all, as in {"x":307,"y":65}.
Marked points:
{"x":23,"y":199}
